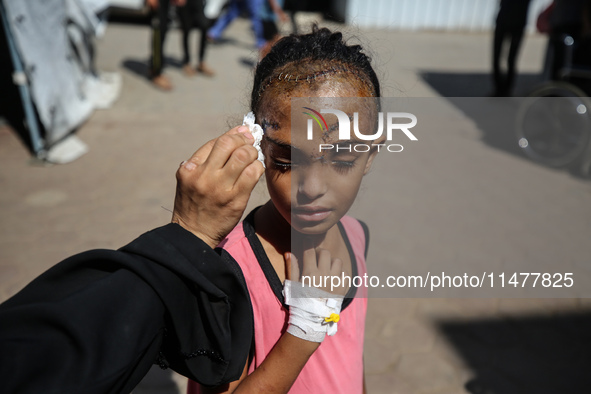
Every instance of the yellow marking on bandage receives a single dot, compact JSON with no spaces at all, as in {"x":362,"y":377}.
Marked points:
{"x":333,"y":317}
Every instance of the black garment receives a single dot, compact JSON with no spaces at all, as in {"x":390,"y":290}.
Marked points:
{"x":512,"y":14}
{"x":566,"y":19}
{"x":192,"y":15}
{"x":97,"y":321}
{"x":159,"y":30}
{"x":270,"y":30}
{"x":510,"y":22}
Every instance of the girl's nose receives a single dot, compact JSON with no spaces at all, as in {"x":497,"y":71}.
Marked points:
{"x":312,"y":182}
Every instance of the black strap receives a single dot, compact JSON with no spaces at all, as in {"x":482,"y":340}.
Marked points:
{"x":366,"y":232}
{"x":262,"y":258}
{"x":269,"y":271}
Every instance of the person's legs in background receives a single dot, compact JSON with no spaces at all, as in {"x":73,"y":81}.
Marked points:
{"x":271,"y":35}
{"x":184,"y":14}
{"x":231,"y":13}
{"x":203,"y":23}
{"x":202,"y":67}
{"x":516,"y":37}
{"x":159,"y":29}
{"x":509,"y":26}
{"x":498,"y":77}
{"x":254,"y":9}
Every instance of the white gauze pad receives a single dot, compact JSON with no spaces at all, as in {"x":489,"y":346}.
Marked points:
{"x":257,"y":133}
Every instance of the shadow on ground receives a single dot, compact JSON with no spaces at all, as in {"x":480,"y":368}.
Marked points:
{"x":498,"y":132}
{"x":235,"y":43}
{"x":450,"y":84}
{"x":140,"y":67}
{"x":140,"y":18}
{"x":496,"y":118}
{"x":525,"y":354}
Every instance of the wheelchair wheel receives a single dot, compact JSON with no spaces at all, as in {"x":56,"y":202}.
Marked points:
{"x":554,"y":124}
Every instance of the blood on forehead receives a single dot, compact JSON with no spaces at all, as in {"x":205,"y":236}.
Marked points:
{"x":321,"y":79}
{"x":275,"y":103}
{"x":275,"y":115}
{"x":292,"y":75}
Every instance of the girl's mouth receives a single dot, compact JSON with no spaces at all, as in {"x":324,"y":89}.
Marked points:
{"x":310,"y":214}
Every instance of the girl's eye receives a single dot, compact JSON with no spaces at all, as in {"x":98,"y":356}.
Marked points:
{"x":340,"y":165}
{"x":343,"y":165}
{"x":283,"y":165}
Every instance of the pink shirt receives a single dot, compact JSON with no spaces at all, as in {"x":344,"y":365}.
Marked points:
{"x":337,"y":365}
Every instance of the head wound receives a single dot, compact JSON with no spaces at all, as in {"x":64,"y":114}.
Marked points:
{"x":313,"y":77}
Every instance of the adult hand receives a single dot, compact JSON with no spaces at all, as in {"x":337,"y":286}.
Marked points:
{"x":179,"y":3}
{"x":153,"y":4}
{"x":214,"y":185}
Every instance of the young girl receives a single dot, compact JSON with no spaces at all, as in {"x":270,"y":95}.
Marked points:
{"x":310,"y":192}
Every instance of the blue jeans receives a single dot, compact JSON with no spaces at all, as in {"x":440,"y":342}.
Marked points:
{"x":253,"y":7}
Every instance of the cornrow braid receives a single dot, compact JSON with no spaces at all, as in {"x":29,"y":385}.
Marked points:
{"x":302,"y":52}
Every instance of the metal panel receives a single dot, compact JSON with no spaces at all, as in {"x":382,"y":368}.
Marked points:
{"x":466,"y":15}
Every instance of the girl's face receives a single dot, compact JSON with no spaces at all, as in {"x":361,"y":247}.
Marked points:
{"x":311,"y":190}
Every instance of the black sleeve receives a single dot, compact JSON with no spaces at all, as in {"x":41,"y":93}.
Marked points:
{"x":97,"y":321}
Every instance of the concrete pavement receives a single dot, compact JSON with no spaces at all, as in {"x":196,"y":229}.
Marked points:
{"x":125,"y":186}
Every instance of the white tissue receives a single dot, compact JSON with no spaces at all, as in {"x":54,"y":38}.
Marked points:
{"x":257,"y":133}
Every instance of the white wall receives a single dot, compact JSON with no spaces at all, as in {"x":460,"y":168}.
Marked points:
{"x":466,"y":15}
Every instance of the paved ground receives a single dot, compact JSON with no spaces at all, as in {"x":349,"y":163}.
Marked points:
{"x":463,"y":195}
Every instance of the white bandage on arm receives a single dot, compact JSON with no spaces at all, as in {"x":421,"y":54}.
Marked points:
{"x":257,"y":133}
{"x":309,"y":309}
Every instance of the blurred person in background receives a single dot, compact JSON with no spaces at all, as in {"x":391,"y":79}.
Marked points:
{"x":192,"y":15}
{"x":255,"y":11}
{"x":566,"y":18}
{"x":233,"y":10}
{"x":510,"y":24}
{"x":160,"y":9}
{"x":271,"y":10}
{"x":582,"y":55}
{"x":295,"y":6}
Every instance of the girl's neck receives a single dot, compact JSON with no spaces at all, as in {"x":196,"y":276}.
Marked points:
{"x":272,"y":227}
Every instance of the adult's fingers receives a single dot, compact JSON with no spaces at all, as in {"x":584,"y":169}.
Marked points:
{"x":249,"y":177}
{"x":226,"y":144}
{"x":202,"y":154}
{"x":241,"y":158}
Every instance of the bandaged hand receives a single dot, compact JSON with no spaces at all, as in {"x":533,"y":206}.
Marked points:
{"x":313,"y":311}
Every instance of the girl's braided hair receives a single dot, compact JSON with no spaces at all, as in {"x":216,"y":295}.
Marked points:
{"x":320,"y":47}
